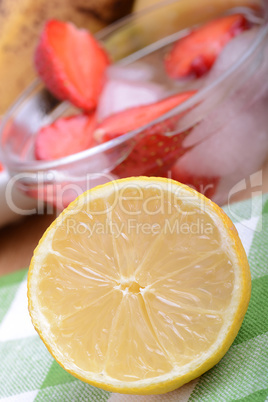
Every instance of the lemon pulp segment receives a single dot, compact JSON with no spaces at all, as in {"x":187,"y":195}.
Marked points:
{"x":138,"y":285}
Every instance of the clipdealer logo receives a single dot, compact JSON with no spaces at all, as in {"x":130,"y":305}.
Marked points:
{"x":132,"y":226}
{"x":52,"y":194}
{"x":251,"y":187}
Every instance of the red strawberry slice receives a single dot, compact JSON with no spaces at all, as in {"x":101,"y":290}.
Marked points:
{"x":153,"y":152}
{"x":65,"y":137}
{"x":196,"y":53}
{"x":206,"y":185}
{"x":136,"y":117}
{"x":71,"y":63}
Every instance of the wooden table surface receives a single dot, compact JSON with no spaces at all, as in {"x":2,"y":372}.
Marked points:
{"x":18,"y":240}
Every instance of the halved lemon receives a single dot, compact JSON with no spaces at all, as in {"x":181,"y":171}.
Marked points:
{"x":139,"y":286}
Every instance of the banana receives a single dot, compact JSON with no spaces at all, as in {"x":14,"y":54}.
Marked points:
{"x":182,"y":14}
{"x":216,"y":4}
{"x":106,"y":10}
{"x":20,"y":24}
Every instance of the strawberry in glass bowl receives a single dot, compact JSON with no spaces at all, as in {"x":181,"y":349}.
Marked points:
{"x":180,"y":102}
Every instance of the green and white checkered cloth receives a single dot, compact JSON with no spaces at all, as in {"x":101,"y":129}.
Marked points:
{"x":29,"y":373}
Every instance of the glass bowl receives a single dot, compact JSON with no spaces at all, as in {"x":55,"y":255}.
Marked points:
{"x":221,"y":131}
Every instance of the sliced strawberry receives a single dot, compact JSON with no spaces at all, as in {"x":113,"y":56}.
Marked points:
{"x":196,"y":53}
{"x":71,"y":63}
{"x":153,"y":152}
{"x":1,"y":167}
{"x":65,"y":137}
{"x":136,"y":117}
{"x":206,"y":185}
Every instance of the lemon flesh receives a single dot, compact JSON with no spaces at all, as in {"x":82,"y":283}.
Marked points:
{"x":139,"y":286}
